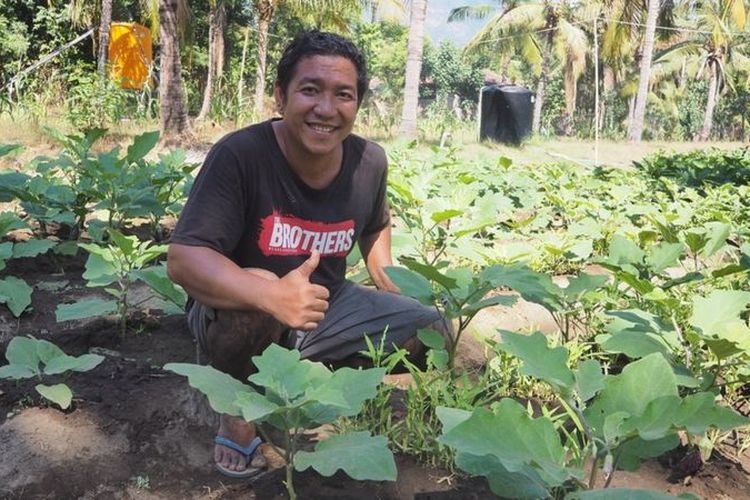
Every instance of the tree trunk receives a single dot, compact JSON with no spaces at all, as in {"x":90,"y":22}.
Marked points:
{"x":217,"y":22}
{"x":173,"y":118}
{"x":536,"y":120}
{"x":713,"y":94}
{"x":104,"y":25}
{"x":608,"y":85}
{"x":265,"y":14}
{"x":635,"y":130}
{"x":408,"y":126}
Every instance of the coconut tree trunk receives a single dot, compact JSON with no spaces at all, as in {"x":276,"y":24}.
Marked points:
{"x":104,"y":24}
{"x":713,"y":86}
{"x":608,"y":84}
{"x":173,"y":118}
{"x":635,"y":130}
{"x":408,"y":126}
{"x":265,"y":9}
{"x":217,"y":22}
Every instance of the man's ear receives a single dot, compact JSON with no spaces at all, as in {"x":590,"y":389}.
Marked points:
{"x":278,"y":95}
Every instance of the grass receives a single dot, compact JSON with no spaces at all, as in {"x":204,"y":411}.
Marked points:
{"x":35,"y":141}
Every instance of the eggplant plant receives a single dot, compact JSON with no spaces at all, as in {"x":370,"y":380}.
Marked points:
{"x":619,"y":421}
{"x":118,"y":262}
{"x":298,"y":395}
{"x":29,"y":357}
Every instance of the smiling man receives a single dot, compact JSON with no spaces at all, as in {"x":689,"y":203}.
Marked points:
{"x":262,"y":242}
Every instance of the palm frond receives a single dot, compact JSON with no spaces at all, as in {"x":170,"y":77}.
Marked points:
{"x":465,"y":12}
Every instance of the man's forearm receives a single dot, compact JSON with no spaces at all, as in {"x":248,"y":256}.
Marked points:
{"x":376,"y":251}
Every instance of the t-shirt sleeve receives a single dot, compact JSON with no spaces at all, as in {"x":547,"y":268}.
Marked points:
{"x":381,"y":214}
{"x":214,"y":215}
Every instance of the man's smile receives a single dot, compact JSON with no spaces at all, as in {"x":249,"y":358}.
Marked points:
{"x":318,"y":127}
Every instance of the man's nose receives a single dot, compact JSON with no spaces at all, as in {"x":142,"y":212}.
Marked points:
{"x":326,"y":105}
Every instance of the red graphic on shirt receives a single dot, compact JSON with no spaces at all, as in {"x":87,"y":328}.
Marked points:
{"x":289,"y":235}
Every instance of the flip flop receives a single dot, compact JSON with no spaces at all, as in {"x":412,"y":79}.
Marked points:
{"x":247,"y":452}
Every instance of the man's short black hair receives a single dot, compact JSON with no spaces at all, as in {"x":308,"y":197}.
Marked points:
{"x":321,"y":43}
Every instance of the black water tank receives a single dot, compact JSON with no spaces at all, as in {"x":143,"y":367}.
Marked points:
{"x":506,"y":113}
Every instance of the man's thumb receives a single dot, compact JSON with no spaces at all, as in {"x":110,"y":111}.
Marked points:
{"x":310,"y":264}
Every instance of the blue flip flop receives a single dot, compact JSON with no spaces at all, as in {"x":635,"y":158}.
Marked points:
{"x":247,"y":452}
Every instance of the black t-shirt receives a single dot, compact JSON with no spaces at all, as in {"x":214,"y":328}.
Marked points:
{"x":249,"y":205}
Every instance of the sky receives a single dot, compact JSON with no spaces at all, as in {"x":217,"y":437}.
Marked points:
{"x":438,"y":28}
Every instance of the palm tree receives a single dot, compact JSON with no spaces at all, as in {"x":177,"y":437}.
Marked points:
{"x":217,"y":24}
{"x":105,"y":21}
{"x":408,"y":126}
{"x":538,"y":31}
{"x":173,"y":118}
{"x":635,"y":128}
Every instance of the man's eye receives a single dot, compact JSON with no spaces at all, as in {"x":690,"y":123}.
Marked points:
{"x":308,"y":90}
{"x":346,"y":95}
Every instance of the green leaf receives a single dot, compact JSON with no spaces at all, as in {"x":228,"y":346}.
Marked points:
{"x":534,"y":287}
{"x":361,"y":456}
{"x":142,"y":144}
{"x":10,"y":221}
{"x":664,"y":255}
{"x":640,"y":383}
{"x":411,"y":284}
{"x":637,"y":333}
{"x":81,"y":363}
{"x":59,"y":394}
{"x":16,"y":294}
{"x":444,"y":215}
{"x":222,"y":390}
{"x":619,"y":494}
{"x":16,"y":372}
{"x":342,"y":394}
{"x":156,"y":278}
{"x":431,"y":338}
{"x":519,"y":443}
{"x":255,"y":407}
{"x":539,"y":360}
{"x":582,"y":284}
{"x":633,"y":452}
{"x":22,"y":351}
{"x":85,"y":309}
{"x":589,"y":379}
{"x":624,"y":253}
{"x":47,"y":351}
{"x":717,"y":233}
{"x":281,"y":371}
{"x":6,"y":149}
{"x":439,"y":358}
{"x":32,"y":248}
{"x":712,"y":313}
{"x":699,"y":411}
{"x":430,"y":272}
{"x":99,"y":270}
{"x":451,"y":417}
{"x":503,"y":300}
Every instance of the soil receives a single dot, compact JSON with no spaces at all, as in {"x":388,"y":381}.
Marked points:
{"x":136,"y":431}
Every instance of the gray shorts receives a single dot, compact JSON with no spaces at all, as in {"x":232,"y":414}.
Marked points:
{"x":354,"y":312}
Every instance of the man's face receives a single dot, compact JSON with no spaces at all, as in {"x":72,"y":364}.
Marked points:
{"x":320,"y":104}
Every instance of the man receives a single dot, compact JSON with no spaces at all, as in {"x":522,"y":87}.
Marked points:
{"x":262,"y":242}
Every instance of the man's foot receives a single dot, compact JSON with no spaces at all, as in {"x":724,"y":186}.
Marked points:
{"x":231,"y":461}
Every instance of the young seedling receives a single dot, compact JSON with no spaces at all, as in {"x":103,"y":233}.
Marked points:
{"x":116,"y":263}
{"x":29,"y":357}
{"x":299,"y":395}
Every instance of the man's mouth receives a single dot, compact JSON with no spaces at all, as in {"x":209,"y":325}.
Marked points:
{"x":327,"y":129}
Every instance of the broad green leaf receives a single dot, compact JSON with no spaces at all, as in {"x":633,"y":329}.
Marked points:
{"x":32,"y":248}
{"x":430,"y":272}
{"x":519,"y":443}
{"x":637,"y":333}
{"x":221,"y":389}
{"x":431,"y":338}
{"x":16,"y":294}
{"x":343,"y":394}
{"x":281,"y":371}
{"x":664,"y":255}
{"x":22,"y":351}
{"x":142,"y":144}
{"x":411,"y":284}
{"x":624,"y":253}
{"x":59,"y":394}
{"x":85,"y":309}
{"x":99,"y":270}
{"x":539,"y":360}
{"x":451,"y":417}
{"x":444,"y":215}
{"x":631,"y":391}
{"x":695,"y":241}
{"x":699,"y":411}
{"x":126,"y":244}
{"x":534,"y":287}
{"x":47,"y":351}
{"x":6,"y":149}
{"x":16,"y":372}
{"x":523,"y":482}
{"x":581,"y":284}
{"x":81,"y":363}
{"x":6,"y":250}
{"x":633,"y":452}
{"x":156,"y":278}
{"x":619,"y":494}
{"x":503,"y":300}
{"x":711,"y":313}
{"x":10,"y":221}
{"x":68,"y":248}
{"x":361,"y":456}
{"x":717,"y":234}
{"x":589,"y":379}
{"x":255,"y":407}
{"x":439,"y":358}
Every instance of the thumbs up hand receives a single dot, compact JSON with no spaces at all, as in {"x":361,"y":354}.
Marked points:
{"x":300,"y":304}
